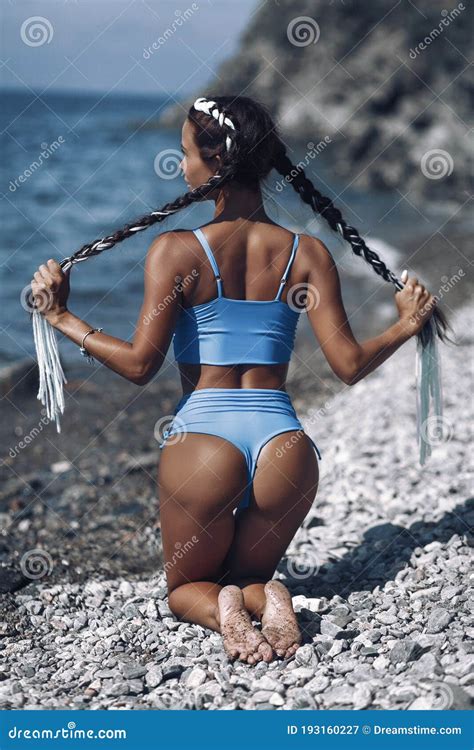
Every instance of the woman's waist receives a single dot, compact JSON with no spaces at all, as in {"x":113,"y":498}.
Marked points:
{"x":238,"y":377}
{"x":237,"y":399}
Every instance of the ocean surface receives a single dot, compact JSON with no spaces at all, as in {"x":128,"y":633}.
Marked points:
{"x":79,"y":167}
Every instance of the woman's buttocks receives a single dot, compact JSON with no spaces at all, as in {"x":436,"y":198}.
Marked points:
{"x":233,"y":376}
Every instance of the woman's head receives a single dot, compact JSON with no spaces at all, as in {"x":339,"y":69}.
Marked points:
{"x":233,"y":134}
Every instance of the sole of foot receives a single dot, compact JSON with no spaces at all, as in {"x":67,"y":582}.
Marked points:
{"x":279,"y":624}
{"x":241,"y":639}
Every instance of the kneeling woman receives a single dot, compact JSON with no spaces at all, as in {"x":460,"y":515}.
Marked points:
{"x":237,"y":473}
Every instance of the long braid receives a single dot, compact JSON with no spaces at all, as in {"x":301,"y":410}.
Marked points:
{"x":320,"y":204}
{"x":193,"y":196}
{"x":155,"y":217}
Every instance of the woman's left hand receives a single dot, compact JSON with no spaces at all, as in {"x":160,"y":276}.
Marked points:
{"x":50,"y":289}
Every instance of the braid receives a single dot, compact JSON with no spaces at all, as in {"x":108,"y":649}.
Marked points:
{"x":196,"y":195}
{"x":320,"y":204}
{"x":98,"y":246}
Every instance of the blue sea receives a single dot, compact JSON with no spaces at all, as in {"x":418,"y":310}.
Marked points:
{"x":80,"y":166}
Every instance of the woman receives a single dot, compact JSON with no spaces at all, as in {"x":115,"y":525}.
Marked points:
{"x":237,"y":474}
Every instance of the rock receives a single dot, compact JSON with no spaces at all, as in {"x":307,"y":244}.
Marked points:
{"x":426,"y":665}
{"x":404,"y":651}
{"x":115,"y":688}
{"x":195,"y":678}
{"x":11,"y":580}
{"x":61,"y":466}
{"x":328,"y":627}
{"x":277,"y":700}
{"x":362,"y":696}
{"x":386,"y":618}
{"x":306,"y":656}
{"x":318,"y":683}
{"x":381,"y":663}
{"x":438,"y":620}
{"x":154,"y":676}
{"x":343,"y":694}
{"x":132,"y":671}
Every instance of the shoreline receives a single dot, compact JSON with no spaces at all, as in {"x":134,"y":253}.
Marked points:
{"x":378,"y":571}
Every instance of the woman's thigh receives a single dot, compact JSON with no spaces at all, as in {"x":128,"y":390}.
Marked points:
{"x":284,"y":489}
{"x":201,"y":479}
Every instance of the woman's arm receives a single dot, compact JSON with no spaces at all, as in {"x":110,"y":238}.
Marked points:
{"x":140,"y":359}
{"x":350,"y":359}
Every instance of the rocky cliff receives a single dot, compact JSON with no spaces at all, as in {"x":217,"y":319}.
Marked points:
{"x":385,"y":83}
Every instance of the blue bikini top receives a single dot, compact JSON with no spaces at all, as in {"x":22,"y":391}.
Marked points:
{"x":226,"y":331}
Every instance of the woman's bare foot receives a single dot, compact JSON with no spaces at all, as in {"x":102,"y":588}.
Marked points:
{"x":241,"y":638}
{"x":279,"y":623}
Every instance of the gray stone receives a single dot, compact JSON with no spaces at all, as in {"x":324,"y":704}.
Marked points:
{"x":438,"y":620}
{"x":154,"y":676}
{"x":404,"y":651}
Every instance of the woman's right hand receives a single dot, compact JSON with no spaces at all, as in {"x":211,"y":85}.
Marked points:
{"x":415,"y":303}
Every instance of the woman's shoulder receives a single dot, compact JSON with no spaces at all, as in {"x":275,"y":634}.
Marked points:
{"x":315,"y":252}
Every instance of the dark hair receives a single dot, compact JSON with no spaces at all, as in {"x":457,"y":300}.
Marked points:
{"x":242,"y":132}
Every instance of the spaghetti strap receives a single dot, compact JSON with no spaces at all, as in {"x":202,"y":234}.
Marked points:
{"x":284,"y":278}
{"x":207,"y":248}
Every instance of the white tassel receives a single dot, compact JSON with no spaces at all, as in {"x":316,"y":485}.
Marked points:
{"x":51,"y":373}
{"x":429,"y":426}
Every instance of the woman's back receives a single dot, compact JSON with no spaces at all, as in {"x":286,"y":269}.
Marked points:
{"x":237,"y":324}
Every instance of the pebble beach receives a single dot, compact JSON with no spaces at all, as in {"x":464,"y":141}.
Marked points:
{"x":380,"y":571}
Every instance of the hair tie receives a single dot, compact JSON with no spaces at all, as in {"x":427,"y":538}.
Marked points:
{"x":204,"y":105}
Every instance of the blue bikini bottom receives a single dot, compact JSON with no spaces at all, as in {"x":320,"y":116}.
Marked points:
{"x":247,"y":417}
